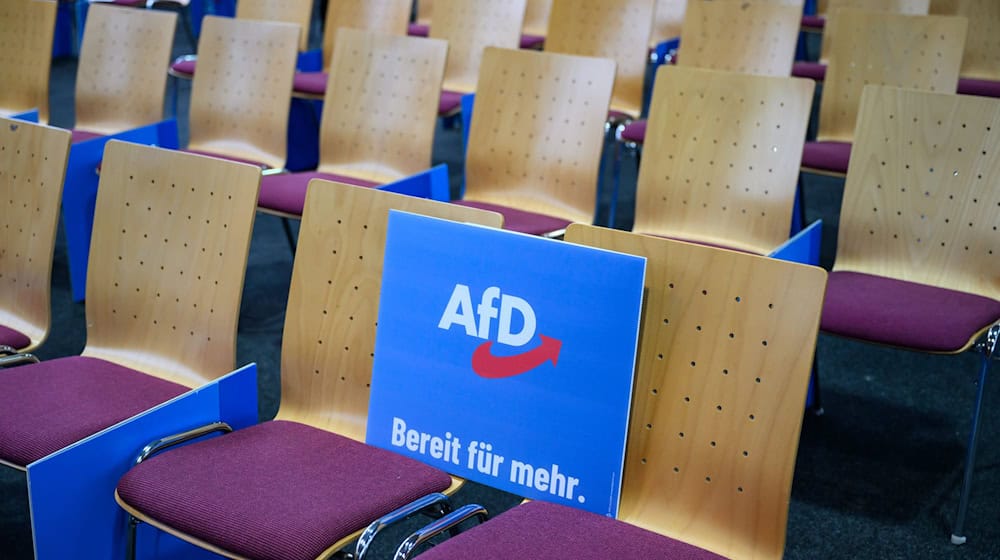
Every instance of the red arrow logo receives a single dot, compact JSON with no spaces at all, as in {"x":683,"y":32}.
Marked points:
{"x":485,"y":364}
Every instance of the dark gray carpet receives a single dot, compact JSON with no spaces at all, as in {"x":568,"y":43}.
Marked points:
{"x":877,"y":475}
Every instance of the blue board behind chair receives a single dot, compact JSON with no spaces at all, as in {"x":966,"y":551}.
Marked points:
{"x":507,"y":359}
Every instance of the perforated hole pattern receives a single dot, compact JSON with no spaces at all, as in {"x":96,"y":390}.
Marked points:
{"x":470,"y":27}
{"x":388,"y":17}
{"x":750,"y":38}
{"x":25,"y":50}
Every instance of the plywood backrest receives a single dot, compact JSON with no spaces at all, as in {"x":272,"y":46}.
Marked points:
{"x":753,"y":37}
{"x":615,"y":29}
{"x":168,"y":254}
{"x":982,"y":45}
{"x":470,"y":26}
{"x":121,"y":79}
{"x":729,"y":147}
{"x":424,"y":9}
{"x":725,"y":355}
{"x":536,"y":17}
{"x":918,"y":52}
{"x":537,"y":132}
{"x":329,"y":339}
{"x":908,"y":7}
{"x":921,"y":201}
{"x":298,"y":12}
{"x":388,"y":17}
{"x":668,"y":20}
{"x":26,"y":32}
{"x":32,"y":166}
{"x":381,"y":105}
{"x":243,"y":89}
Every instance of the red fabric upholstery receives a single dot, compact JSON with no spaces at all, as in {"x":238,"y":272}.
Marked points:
{"x":635,"y":131}
{"x":520,"y":220}
{"x":451,"y":101}
{"x":532,"y":41}
{"x":310,"y":82}
{"x":418,"y":30}
{"x":182,"y":66}
{"x":985,"y":88}
{"x":543,"y":531}
{"x":12,"y":338}
{"x":287,"y":192}
{"x":815,"y":22}
{"x":829,"y":156}
{"x":278,"y":490}
{"x":77,"y":135}
{"x":49,"y":405}
{"x":901,"y":313}
{"x":813,"y":70}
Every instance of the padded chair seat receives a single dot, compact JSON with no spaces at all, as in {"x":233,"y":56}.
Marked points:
{"x":287,"y":192}
{"x":812,"y":70}
{"x":451,"y":101}
{"x":635,"y":131}
{"x":49,"y":405}
{"x":310,"y":82}
{"x":77,"y":135}
{"x":520,"y":220}
{"x":418,"y":30}
{"x":14,"y":339}
{"x":905,"y":314}
{"x":829,"y":156}
{"x":532,"y":41}
{"x":814,"y":22}
{"x":279,"y":490}
{"x":544,"y":531}
{"x":985,"y":88}
{"x":184,"y":66}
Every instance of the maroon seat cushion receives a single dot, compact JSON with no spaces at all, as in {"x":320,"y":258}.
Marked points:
{"x":49,"y":405}
{"x":276,"y":490}
{"x":814,"y":70}
{"x":418,"y":30}
{"x":310,"y":82}
{"x":14,"y":339}
{"x":829,"y":156}
{"x":985,"y":88}
{"x":635,"y":131}
{"x":287,"y":192}
{"x":906,"y":314}
{"x":543,"y":531}
{"x":184,"y":66}
{"x":532,"y":41}
{"x":77,"y":135}
{"x":520,"y":220}
{"x":815,"y":22}
{"x":450,"y":103}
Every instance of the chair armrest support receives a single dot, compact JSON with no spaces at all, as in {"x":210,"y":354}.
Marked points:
{"x":167,"y":442}
{"x":450,"y":521}
{"x":416,"y":506}
{"x":17,"y":359}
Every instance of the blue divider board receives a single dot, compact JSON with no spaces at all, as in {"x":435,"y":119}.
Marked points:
{"x":29,"y":116}
{"x":505,"y":359}
{"x":71,"y":492}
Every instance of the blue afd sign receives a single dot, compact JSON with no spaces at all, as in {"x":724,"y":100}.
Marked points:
{"x":507,"y":359}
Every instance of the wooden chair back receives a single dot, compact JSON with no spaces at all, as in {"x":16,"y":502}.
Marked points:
{"x":388,"y":17}
{"x":243,"y":89}
{"x":918,"y":52}
{"x":982,"y":45}
{"x":725,"y":356}
{"x":668,"y":20}
{"x":27,"y":28}
{"x":470,"y":26}
{"x":537,"y":132}
{"x":382,"y":102}
{"x":32,"y":165}
{"x":536,"y":17}
{"x":298,"y":12}
{"x":424,"y":9}
{"x":908,"y":7}
{"x":167,"y":260}
{"x":730,"y":147}
{"x":121,"y":79}
{"x":615,"y":29}
{"x":329,"y":339}
{"x":753,"y":37}
{"x":920,"y":201}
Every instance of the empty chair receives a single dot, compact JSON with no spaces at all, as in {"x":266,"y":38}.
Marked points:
{"x":916,"y":263}
{"x":980,"y":74}
{"x":388,"y":17}
{"x":615,"y":29}
{"x":26,"y":32}
{"x":728,"y":148}
{"x":536,"y":138}
{"x":378,"y":125}
{"x":311,"y":483}
{"x":422,"y":26}
{"x":726,"y":347}
{"x":470,"y":27}
{"x":824,"y":8}
{"x":163,"y":295}
{"x":32,"y":165}
{"x":919,"y":52}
